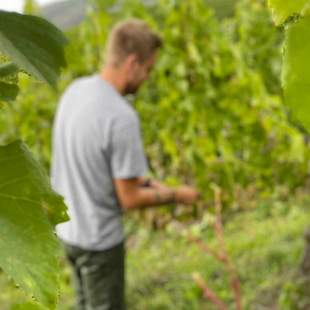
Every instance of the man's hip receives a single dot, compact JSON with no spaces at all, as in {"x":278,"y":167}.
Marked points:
{"x":99,"y":277}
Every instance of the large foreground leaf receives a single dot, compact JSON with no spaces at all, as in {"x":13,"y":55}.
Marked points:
{"x":34,"y":44}
{"x":296,"y":70}
{"x":28,"y":247}
{"x":282,"y":9}
{"x":8,"y":80}
{"x":7,"y":69}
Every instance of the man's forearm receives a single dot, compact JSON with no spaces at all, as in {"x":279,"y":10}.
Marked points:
{"x":144,"y":182}
{"x":136,"y":193}
{"x":149,"y":196}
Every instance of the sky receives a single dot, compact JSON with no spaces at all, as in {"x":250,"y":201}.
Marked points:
{"x":17,"y":5}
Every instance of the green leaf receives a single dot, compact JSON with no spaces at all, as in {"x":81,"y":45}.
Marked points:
{"x":296,"y":70}
{"x":282,"y":9}
{"x":8,"y":91}
{"x":29,"y":249}
{"x":7,"y":69}
{"x":27,"y":306}
{"x":34,"y":44}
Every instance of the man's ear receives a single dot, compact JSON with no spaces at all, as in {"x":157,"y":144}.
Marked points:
{"x":131,"y":61}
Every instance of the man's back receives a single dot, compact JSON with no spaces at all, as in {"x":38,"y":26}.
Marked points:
{"x":96,"y":139}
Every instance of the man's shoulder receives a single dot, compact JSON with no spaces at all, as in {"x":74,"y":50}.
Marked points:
{"x":125,"y":117}
{"x":125,"y":109}
{"x":100,"y":97}
{"x":77,"y":86}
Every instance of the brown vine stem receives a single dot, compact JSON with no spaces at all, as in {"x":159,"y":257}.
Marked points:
{"x":208,"y":293}
{"x":234,"y":279}
{"x":205,"y":248}
{"x":221,"y":255}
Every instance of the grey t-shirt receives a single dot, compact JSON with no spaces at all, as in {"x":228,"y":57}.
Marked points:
{"x":96,"y":138}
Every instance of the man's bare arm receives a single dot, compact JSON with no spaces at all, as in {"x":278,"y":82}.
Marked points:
{"x":133,"y":195}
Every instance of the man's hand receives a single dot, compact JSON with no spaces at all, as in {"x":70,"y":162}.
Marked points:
{"x":183,"y":194}
{"x":158,"y":185}
{"x":133,"y":194}
{"x":187,"y":195}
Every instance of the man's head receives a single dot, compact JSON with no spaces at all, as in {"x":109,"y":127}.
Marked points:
{"x":131,"y":51}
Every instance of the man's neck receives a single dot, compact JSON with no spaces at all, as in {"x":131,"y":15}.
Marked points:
{"x":113,"y":77}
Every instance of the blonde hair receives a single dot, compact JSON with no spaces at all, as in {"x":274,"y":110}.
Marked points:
{"x":132,"y":36}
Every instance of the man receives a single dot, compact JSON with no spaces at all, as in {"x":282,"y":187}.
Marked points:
{"x":99,"y":165}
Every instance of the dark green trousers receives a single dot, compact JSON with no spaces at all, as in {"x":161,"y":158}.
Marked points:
{"x":99,"y":277}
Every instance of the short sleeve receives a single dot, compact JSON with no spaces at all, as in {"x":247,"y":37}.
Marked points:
{"x":127,"y":153}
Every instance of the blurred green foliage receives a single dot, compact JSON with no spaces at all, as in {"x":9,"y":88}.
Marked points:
{"x":223,"y":8}
{"x":212,"y":110}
